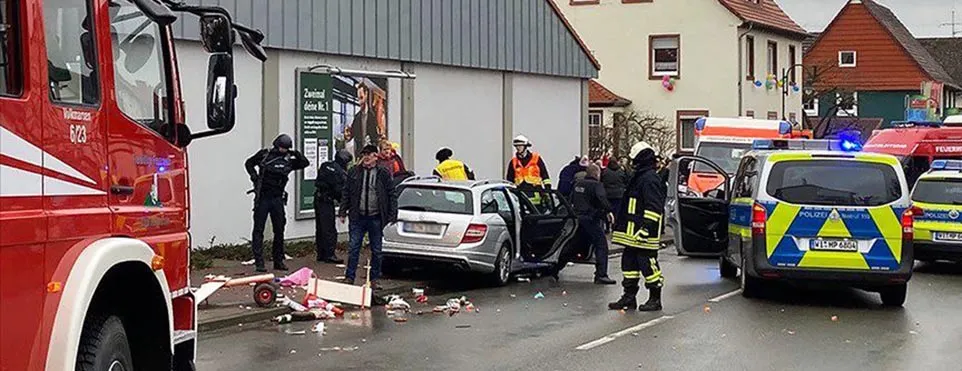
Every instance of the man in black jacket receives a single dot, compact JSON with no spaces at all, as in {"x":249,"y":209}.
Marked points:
{"x":371,"y":202}
{"x":615,"y":180}
{"x":591,"y":205}
{"x":269,"y":170}
{"x":328,"y":190}
{"x":638,"y":229}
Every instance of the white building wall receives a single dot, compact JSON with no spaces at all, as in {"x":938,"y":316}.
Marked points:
{"x":461,"y":109}
{"x":547,"y":110}
{"x":220,"y":209}
{"x":761,"y":99}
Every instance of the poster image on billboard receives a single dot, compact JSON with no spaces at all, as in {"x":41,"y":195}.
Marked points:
{"x":359,"y":112}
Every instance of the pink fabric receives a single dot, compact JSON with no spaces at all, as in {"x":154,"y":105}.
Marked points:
{"x":298,"y":278}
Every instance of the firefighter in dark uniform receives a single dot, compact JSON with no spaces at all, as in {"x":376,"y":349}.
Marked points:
{"x":328,"y":189}
{"x":638,"y":228}
{"x":269,"y":170}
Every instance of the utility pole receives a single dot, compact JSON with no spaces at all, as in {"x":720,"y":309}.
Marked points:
{"x":952,"y":24}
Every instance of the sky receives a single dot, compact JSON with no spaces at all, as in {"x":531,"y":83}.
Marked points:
{"x":922,"y":17}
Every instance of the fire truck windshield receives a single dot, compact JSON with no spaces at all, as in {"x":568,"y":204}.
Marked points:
{"x":139,"y":65}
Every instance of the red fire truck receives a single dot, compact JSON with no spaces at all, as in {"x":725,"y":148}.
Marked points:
{"x":917,"y":144}
{"x":94,"y":202}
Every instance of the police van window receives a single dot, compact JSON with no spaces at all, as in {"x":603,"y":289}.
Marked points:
{"x":11,"y":70}
{"x":938,"y":191}
{"x":71,"y":53}
{"x":818,"y":183}
{"x":139,"y":76}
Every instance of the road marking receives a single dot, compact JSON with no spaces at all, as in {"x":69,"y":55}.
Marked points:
{"x":612,"y":337}
{"x":724,"y":296}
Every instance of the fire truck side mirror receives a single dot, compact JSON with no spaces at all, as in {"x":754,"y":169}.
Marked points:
{"x":220,"y":92}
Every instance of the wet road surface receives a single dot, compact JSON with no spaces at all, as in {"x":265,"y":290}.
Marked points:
{"x":791,"y":328}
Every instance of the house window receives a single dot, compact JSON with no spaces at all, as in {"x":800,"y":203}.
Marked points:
{"x":594,"y":119}
{"x":811,"y":107}
{"x":665,"y":52}
{"x":685,"y":129}
{"x":847,"y":59}
{"x":772,"y":115}
{"x":773,"y":58}
{"x":792,"y":118}
{"x":847,"y":103}
{"x":792,"y":61}
{"x":583,"y":2}
{"x":636,"y":1}
{"x":750,"y":56}
{"x":11,"y":72}
{"x":750,"y":113}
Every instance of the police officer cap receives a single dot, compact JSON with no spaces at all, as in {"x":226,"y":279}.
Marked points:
{"x":284,"y":141}
{"x":343,"y":157}
{"x":443,"y":154}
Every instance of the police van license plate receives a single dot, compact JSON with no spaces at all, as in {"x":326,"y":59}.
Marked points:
{"x":423,"y":228}
{"x":833,"y":245}
{"x":947,"y":236}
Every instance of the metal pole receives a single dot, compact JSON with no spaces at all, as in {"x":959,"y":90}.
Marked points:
{"x":784,"y":89}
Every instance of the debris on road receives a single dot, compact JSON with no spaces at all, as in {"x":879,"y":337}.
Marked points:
{"x":913,"y":332}
{"x":396,"y":303}
{"x":523,"y":279}
{"x":634,"y":334}
{"x":400,"y":319}
{"x":539,"y":295}
{"x":298,"y":278}
{"x":514,"y":296}
{"x":462,"y":326}
{"x":421,"y":299}
{"x":564,"y":293}
{"x":834,"y":318}
{"x":293,"y":351}
{"x":301,"y":332}
{"x":341,"y":266}
{"x":417,"y":292}
{"x":707,"y":309}
{"x":318,"y":328}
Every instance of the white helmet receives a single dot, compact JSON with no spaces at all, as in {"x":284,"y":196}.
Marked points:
{"x":521,"y":140}
{"x":637,"y":148}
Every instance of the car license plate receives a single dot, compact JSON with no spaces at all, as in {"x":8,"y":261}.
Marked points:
{"x":947,"y":236}
{"x":833,"y":245}
{"x":423,"y":228}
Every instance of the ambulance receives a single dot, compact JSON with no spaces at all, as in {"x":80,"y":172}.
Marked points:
{"x":722,"y":141}
{"x":938,"y":194}
{"x":917,"y":145}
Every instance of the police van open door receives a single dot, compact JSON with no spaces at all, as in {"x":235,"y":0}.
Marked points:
{"x":699,"y":221}
{"x":548,"y":227}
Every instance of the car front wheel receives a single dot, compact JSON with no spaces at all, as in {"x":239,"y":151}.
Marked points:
{"x":502,"y":266}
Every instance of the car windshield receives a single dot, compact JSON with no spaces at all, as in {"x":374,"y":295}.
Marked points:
{"x":948,"y":191}
{"x":437,"y":200}
{"x":821,"y":182}
{"x":725,"y":155}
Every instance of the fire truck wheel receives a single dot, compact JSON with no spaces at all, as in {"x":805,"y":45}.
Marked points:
{"x":265,"y":294}
{"x":104,"y":346}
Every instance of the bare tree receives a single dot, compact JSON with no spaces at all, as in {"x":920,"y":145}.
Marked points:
{"x":825,"y":80}
{"x":630,"y":127}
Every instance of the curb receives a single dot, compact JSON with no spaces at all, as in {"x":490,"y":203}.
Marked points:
{"x":216,"y":323}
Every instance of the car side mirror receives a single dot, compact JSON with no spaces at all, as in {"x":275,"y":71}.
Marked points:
{"x":216,"y":34}
{"x":220,"y":92}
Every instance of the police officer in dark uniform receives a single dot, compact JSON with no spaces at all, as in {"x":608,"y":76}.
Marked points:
{"x":591,"y":205}
{"x":269,"y":170}
{"x":638,"y":228}
{"x":328,"y":189}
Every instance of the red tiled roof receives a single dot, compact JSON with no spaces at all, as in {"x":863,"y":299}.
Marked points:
{"x":765,"y":13}
{"x":600,"y":96}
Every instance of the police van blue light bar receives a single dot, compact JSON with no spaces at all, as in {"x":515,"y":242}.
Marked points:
{"x":805,"y":144}
{"x":947,"y":165}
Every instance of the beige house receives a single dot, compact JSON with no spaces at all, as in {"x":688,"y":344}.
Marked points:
{"x":683,"y":59}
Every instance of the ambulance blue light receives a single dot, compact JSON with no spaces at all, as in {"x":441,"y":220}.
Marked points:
{"x":763,"y":144}
{"x":947,"y":165}
{"x":700,"y":124}
{"x":784,"y":128}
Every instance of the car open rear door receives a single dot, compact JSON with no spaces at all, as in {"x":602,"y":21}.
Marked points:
{"x":548,"y":225}
{"x":700,"y":224}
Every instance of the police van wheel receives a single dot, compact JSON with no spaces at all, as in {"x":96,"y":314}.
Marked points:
{"x":727,"y":270}
{"x":894,"y":296}
{"x":751,"y":286}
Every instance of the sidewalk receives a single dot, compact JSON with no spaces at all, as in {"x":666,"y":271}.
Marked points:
{"x":234,"y":306}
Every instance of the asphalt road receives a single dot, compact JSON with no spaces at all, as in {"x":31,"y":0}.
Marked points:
{"x":792,"y":328}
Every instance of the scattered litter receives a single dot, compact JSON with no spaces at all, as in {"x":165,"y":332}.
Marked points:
{"x":363,"y":340}
{"x":499,"y":311}
{"x":913,"y":332}
{"x":462,"y":326}
{"x":339,"y":277}
{"x":539,"y":295}
{"x":301,"y":332}
{"x":724,"y":335}
{"x":781,"y":310}
{"x":297,"y":307}
{"x":293,"y":351}
{"x":288,"y":257}
{"x":318,"y":328}
{"x":834,"y":318}
{"x":564,"y":304}
{"x":440,"y":308}
{"x":351,"y":349}
{"x":790,"y":332}
{"x":847,"y":341}
{"x":355,"y":316}
{"x":331,"y":349}
{"x":298,"y":278}
{"x":514,"y":296}
{"x":240,"y":325}
{"x":634,"y":334}
{"x":400,"y":319}
{"x":341,"y":266}
{"x":417,"y":292}
{"x":707,"y":309}
{"x":395,"y":302}
{"x":564,"y":293}
{"x":524,"y":279}
{"x":421,"y":298}
{"x":248,"y":262}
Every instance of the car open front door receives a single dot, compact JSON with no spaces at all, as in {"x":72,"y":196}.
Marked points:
{"x":700,"y":220}
{"x":548,"y":225}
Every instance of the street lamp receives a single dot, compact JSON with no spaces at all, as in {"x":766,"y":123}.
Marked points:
{"x":785,"y":72}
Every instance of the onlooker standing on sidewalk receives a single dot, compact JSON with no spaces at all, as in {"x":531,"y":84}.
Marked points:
{"x":566,"y":179}
{"x":615,"y":180}
{"x":328,"y":190}
{"x":371,"y":203}
{"x":591,"y":205}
